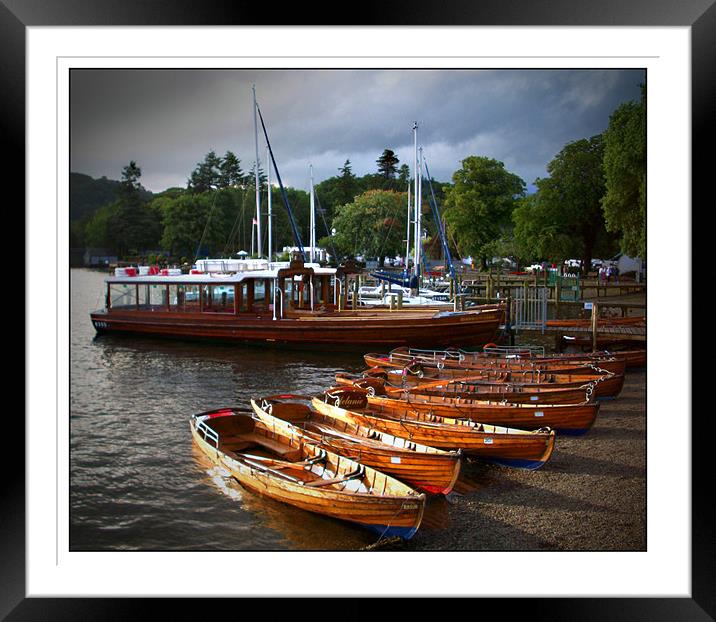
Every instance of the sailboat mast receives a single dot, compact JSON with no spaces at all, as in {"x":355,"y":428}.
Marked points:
{"x":416,"y":252}
{"x":419,"y":215}
{"x":270,"y":216}
{"x":313,"y":220}
{"x":256,"y":179}
{"x":407,"y":241}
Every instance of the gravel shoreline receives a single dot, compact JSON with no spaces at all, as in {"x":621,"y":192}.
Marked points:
{"x":590,"y":496}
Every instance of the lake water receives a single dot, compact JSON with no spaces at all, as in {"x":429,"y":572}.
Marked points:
{"x":137,"y":482}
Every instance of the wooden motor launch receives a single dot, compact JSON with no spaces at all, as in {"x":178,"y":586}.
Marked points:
{"x":425,"y":468}
{"x":574,"y":419}
{"x":497,"y":444}
{"x":278,"y":304}
{"x":401,"y":358}
{"x":495,"y":392}
{"x":289,"y":468}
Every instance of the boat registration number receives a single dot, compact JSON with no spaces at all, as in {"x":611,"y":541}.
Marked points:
{"x":395,"y":459}
{"x":539,"y":413}
{"x":534,"y":398}
{"x":488,"y":440}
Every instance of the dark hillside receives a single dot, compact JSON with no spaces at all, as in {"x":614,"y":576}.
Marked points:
{"x":87,"y":195}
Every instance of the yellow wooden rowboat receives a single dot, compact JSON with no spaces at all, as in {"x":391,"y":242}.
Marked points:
{"x":506,"y":446}
{"x":293,"y":470}
{"x":426,"y":468}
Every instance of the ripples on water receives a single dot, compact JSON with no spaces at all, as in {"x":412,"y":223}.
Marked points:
{"x":136,"y":479}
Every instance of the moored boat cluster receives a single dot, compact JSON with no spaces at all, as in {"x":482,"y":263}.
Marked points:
{"x":370,"y":448}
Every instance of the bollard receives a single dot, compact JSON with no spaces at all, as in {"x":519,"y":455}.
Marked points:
{"x":400,"y":299}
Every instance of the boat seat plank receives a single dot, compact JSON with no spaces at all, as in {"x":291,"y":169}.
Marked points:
{"x":235,"y":443}
{"x":272,"y":445}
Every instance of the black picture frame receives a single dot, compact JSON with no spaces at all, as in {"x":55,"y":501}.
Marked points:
{"x":700,"y":15}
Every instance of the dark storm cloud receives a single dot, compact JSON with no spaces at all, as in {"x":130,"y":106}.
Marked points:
{"x":168,"y":120}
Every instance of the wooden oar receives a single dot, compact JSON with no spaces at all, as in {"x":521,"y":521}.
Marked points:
{"x":285,"y":464}
{"x":266,"y":469}
{"x":337,"y":480}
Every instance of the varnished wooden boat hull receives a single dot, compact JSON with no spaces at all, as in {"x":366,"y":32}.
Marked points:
{"x":388,"y":515}
{"x":510,"y":447}
{"x":632,"y":358}
{"x":425,"y":468}
{"x":493,"y":393}
{"x":606,"y":385}
{"x":348,"y":329}
{"x":574,"y":419}
{"x":496,"y":365}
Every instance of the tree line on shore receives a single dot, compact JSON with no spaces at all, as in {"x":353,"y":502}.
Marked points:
{"x":592,"y":203}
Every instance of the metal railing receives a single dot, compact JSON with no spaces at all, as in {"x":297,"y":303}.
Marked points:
{"x":530,"y":308}
{"x":209,"y":434}
{"x":526,"y":351}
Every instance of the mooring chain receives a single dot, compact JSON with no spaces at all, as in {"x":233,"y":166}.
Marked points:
{"x":599,"y":369}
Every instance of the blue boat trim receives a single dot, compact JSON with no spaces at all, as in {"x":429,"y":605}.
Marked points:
{"x":572,"y":431}
{"x":390,"y":532}
{"x":518,"y":463}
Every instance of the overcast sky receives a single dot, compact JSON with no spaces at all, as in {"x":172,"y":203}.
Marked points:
{"x":167,"y":120}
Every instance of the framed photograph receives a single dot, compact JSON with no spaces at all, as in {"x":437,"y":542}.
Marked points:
{"x":190,"y":112}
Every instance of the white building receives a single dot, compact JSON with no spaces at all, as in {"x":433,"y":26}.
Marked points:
{"x":321,"y":254}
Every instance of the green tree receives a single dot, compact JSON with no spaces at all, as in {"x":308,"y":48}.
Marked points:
{"x":337,"y":190}
{"x":404,"y":175}
{"x":479,"y":204}
{"x":387,"y":164}
{"x":573,"y":193}
{"x":624,"y":202}
{"x":347,"y":184}
{"x":373,"y":225}
{"x":133,"y":226}
{"x":230,"y":173}
{"x":198,"y":221}
{"x":541,"y":233}
{"x":98,"y":231}
{"x":207,"y":174}
{"x":564,"y":218}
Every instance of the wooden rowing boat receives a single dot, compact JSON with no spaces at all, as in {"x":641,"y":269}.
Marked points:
{"x":523,"y":361}
{"x":607,"y":385}
{"x":494,"y":392}
{"x":497,"y":444}
{"x":605,"y":341}
{"x":635,"y":358}
{"x":402,"y":358}
{"x":573,"y":419}
{"x":291,"y":469}
{"x":426,"y":468}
